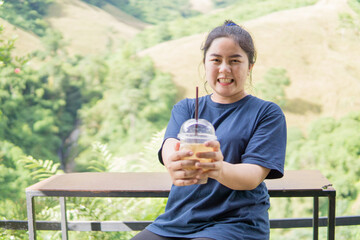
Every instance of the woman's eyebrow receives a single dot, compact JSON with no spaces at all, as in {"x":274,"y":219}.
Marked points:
{"x":236,"y":56}
{"x":232,"y":56}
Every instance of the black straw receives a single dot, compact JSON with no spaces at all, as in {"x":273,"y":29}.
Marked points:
{"x":196,"y":109}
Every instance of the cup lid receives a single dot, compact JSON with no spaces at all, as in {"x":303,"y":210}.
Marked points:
{"x":201,"y":128}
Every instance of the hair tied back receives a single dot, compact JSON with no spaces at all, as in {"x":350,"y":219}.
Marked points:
{"x":230,"y":23}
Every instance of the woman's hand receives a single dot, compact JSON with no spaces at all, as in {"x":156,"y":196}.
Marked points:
{"x":214,"y":168}
{"x":182,"y":172}
{"x":240,"y":176}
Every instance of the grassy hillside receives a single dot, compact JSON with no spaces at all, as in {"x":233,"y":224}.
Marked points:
{"x":89,"y":29}
{"x":316,"y":46}
{"x":25,"y":42}
{"x":86,"y":29}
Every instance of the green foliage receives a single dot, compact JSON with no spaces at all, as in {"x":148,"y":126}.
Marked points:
{"x":13,"y":180}
{"x":98,"y":3}
{"x":5,"y":50}
{"x":136,"y":102}
{"x":151,"y":11}
{"x":38,"y":111}
{"x":104,"y":161}
{"x":347,"y":21}
{"x":53,"y":42}
{"x":27,"y":114}
{"x":334,"y":147}
{"x":129,"y":209}
{"x":355,"y":5}
{"x":273,"y":87}
{"x":26,"y":14}
{"x":40,"y":169}
{"x":13,"y":177}
{"x":31,"y":119}
{"x":143,"y":161}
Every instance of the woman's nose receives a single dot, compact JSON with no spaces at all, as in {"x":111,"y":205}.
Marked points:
{"x":224,"y":68}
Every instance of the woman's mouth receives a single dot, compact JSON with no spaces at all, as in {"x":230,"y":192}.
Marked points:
{"x":225,"y":81}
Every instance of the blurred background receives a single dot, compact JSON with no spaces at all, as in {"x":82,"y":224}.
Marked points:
{"x":88,"y":85}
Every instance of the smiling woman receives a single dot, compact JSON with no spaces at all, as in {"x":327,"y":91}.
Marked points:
{"x":251,"y":146}
{"x":229,"y":55}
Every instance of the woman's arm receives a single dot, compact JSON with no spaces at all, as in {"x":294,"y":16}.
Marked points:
{"x":239,"y":176}
{"x":242,"y":176}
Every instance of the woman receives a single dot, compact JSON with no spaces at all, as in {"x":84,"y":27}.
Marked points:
{"x":251,"y":147}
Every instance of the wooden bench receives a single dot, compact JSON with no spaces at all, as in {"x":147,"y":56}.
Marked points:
{"x":295,"y":183}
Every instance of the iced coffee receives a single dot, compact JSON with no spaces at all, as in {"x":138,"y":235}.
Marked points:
{"x":193,"y":134}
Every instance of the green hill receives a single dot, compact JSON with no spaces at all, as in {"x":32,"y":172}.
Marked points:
{"x":315,"y":44}
{"x":86,"y":29}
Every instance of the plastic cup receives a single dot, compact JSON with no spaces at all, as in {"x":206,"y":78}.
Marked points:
{"x":193,"y":134}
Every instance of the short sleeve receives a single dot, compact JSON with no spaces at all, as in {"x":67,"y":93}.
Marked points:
{"x":179,"y":114}
{"x":267,"y":146}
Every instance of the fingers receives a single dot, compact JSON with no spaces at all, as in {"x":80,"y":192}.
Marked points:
{"x":186,"y":177}
{"x":193,"y":179}
{"x":214,"y":144}
{"x":178,"y":155}
{"x":208,"y":155}
{"x":187,"y":171}
{"x":212,"y":169}
{"x":211,"y":166}
{"x":215,"y":156}
{"x":184,"y":182}
{"x":183,"y":171}
{"x":182,"y":165}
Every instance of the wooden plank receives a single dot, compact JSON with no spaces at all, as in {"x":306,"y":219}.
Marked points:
{"x":105,"y":182}
{"x":140,"y":225}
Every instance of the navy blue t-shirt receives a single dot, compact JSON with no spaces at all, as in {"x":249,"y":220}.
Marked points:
{"x":250,"y":130}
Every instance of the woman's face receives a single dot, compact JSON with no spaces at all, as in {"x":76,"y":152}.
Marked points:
{"x":226,"y":68}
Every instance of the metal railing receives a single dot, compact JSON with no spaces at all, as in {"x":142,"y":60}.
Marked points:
{"x":109,"y":226}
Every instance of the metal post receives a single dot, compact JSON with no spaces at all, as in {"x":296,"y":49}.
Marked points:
{"x":31,"y":216}
{"x":331,"y":217}
{"x":316,"y":218}
{"x":64,"y":227}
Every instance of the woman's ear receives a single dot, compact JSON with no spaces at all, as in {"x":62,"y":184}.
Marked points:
{"x":251,"y":66}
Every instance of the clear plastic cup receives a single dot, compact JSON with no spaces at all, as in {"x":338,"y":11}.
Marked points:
{"x":193,"y":134}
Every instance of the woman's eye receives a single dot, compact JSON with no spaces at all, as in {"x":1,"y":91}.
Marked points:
{"x":235,"y":61}
{"x":215,"y":60}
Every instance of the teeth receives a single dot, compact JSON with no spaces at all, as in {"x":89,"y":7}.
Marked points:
{"x":225,"y":80}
